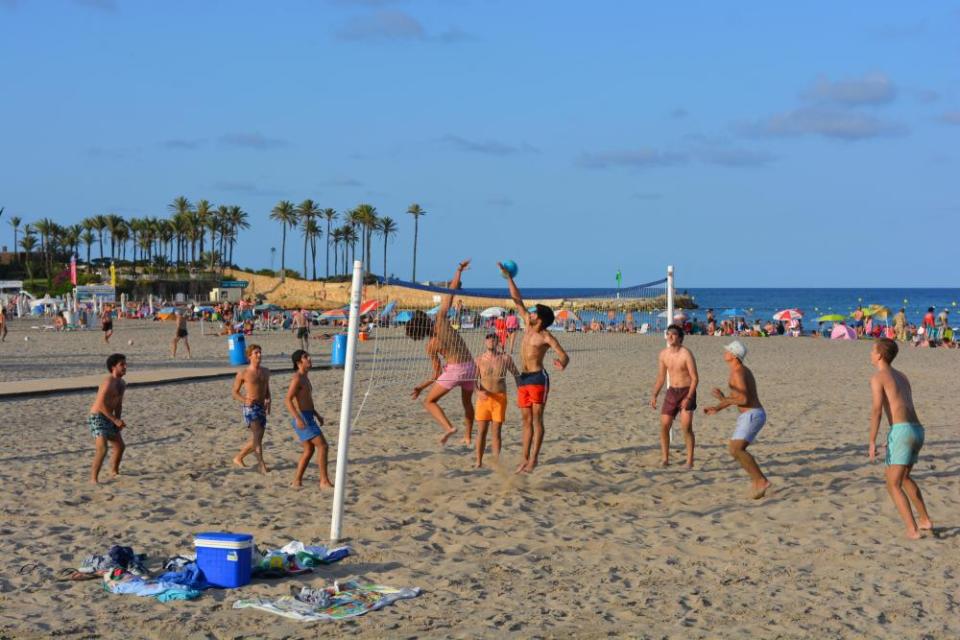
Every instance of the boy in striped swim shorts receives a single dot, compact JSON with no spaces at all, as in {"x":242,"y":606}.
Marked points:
{"x":892,"y":393}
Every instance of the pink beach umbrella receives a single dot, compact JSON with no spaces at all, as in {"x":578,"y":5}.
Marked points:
{"x":786,"y":315}
{"x":843,"y":332}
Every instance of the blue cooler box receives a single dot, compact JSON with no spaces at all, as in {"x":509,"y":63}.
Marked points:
{"x":225,"y":558}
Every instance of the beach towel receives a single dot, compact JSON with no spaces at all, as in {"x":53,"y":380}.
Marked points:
{"x":123,"y":582}
{"x":338,"y":602}
{"x":294,"y":558}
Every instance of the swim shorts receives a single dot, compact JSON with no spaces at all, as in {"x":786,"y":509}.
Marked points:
{"x":749,"y":424}
{"x":462,"y":374}
{"x":255,"y":412}
{"x":532,"y":388}
{"x":181,"y":333}
{"x":311,"y":426}
{"x":673,"y":402}
{"x":101,"y":425}
{"x":904,"y":442}
{"x":303,"y":332}
{"x":107,"y":326}
{"x":491,"y":406}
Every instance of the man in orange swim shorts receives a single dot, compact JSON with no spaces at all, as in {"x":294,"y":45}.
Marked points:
{"x":491,"y":407}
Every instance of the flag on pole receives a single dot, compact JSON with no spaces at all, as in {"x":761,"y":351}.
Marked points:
{"x":73,"y":270}
{"x":113,"y":275}
{"x":619,"y":277}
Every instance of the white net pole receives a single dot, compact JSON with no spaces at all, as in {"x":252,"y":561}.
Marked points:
{"x":669,"y":322}
{"x":346,"y":402}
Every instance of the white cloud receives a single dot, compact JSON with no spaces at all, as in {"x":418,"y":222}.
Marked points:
{"x":872,"y":89}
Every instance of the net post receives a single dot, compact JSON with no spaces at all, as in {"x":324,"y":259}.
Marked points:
{"x":669,"y":322}
{"x":346,"y":403}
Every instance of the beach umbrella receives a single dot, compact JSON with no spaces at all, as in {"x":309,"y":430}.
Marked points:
{"x":876,"y":310}
{"x":404,"y":316}
{"x":843,"y":332}
{"x":735,"y":313}
{"x":494,"y":312}
{"x":788,"y":315}
{"x":388,"y":309}
{"x":335,"y":314}
{"x":832,"y":317}
{"x":565,"y":315}
{"x":368,"y":306}
{"x":677,"y":315}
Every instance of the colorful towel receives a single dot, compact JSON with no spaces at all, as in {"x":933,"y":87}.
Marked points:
{"x":294,"y":558}
{"x":120,"y":581}
{"x":346,"y":600}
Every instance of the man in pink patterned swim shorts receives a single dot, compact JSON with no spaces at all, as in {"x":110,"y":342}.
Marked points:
{"x":459,"y":369}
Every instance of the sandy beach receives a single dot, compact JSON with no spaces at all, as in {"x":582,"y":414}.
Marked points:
{"x":599,"y":542}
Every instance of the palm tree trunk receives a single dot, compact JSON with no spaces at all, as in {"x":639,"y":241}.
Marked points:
{"x":283,"y":254}
{"x":415,"y":229}
{"x":328,"y":248}
{"x":385,"y":254}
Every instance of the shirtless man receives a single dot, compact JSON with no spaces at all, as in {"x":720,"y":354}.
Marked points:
{"x":299,"y":326}
{"x":104,"y":420}
{"x":458,"y":368}
{"x":492,"y":394}
{"x":181,"y":334}
{"x":892,"y":395}
{"x":681,"y":398}
{"x":106,"y":324}
{"x":3,"y":324}
{"x":533,"y":384}
{"x":306,"y":421}
{"x":743,"y":395}
{"x":256,"y":405}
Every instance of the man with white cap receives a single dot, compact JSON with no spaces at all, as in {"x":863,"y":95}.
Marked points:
{"x":743,"y":395}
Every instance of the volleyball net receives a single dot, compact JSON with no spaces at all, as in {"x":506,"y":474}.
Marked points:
{"x":402,"y":335}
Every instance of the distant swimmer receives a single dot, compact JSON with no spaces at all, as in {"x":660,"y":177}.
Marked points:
{"x":491,"y":409}
{"x":306,"y":421}
{"x":104,"y":419}
{"x":892,"y":395}
{"x":681,"y":397}
{"x":181,"y":334}
{"x":254,"y":380}
{"x":743,"y":395}
{"x":533,"y":383}
{"x":457,"y":368}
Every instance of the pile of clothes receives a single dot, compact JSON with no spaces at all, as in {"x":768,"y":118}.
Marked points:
{"x":294,"y":558}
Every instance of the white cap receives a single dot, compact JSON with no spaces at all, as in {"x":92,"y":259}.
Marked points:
{"x":736,"y":348}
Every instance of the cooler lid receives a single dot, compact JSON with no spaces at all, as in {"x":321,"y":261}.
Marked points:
{"x":223,"y":536}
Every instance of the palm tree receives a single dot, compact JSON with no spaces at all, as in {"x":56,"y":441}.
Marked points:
{"x":312,"y":231}
{"x":28,"y":243}
{"x":349,"y":241}
{"x":122,"y":235}
{"x":330,"y":215}
{"x":236,"y":220}
{"x":45,"y":228}
{"x":367,"y":215}
{"x":113,"y":225}
{"x":100,"y":224}
{"x":204,"y":211}
{"x":71,"y":238}
{"x":416,"y":212}
{"x":386,"y":227}
{"x":284,"y":213}
{"x":15,"y":223}
{"x":181,"y":209}
{"x":336,"y":238}
{"x":87,"y":237}
{"x":307,"y":212}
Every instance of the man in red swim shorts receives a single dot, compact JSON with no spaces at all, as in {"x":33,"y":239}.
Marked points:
{"x":677,"y":361}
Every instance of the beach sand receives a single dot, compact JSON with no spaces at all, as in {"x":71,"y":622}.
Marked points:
{"x":598,"y":542}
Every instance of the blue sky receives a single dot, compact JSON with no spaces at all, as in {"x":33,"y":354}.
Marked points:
{"x":755,"y":144}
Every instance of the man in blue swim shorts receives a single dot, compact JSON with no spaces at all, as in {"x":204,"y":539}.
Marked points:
{"x":306,"y":421}
{"x":743,"y":395}
{"x":892,"y":393}
{"x":254,"y":380}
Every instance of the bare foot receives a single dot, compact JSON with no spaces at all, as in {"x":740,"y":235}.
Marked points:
{"x":760,"y":490}
{"x":325,"y":484}
{"x":925,"y":525}
{"x":913,"y":535}
{"x":477,"y":465}
{"x":446,"y":436}
{"x":530,"y":466}
{"x":468,"y":442}
{"x":689,"y":465}
{"x":262,"y":468}
{"x":296,"y":484}
{"x":93,"y":481}
{"x":522,"y":468}
{"x":239,"y":461}
{"x":664,"y":464}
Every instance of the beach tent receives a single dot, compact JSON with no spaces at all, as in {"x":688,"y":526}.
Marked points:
{"x":433,"y":312}
{"x":404,"y":316}
{"x":843,"y":332}
{"x":492,"y":312}
{"x":387,"y":310}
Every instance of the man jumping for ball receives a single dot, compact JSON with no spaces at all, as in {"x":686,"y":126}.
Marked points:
{"x":533,"y":383}
{"x":458,"y":368}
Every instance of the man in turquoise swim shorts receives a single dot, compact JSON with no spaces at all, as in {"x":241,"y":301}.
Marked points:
{"x":892,"y":394}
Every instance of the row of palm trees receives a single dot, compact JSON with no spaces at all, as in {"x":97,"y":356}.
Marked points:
{"x":359,"y":226}
{"x":203,"y":236}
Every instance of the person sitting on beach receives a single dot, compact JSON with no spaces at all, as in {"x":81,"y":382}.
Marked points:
{"x":492,"y":366}
{"x":743,"y":395}
{"x":892,"y":395}
{"x":180,"y":333}
{"x":681,"y":398}
{"x":256,"y":405}
{"x":533,"y":384}
{"x":59,"y":322}
{"x":106,"y":324}
{"x":306,"y":421}
{"x":458,"y":368}
{"x":104,"y":420}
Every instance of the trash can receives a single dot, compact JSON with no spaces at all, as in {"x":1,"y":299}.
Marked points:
{"x":338,"y":356}
{"x":237,"y":346}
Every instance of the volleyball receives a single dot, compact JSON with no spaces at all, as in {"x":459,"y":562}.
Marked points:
{"x":509,"y":267}
{"x":26,"y":338}
{"x":130,"y":342}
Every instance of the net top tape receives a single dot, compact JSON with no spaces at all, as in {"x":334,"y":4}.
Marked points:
{"x":567,"y":294}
